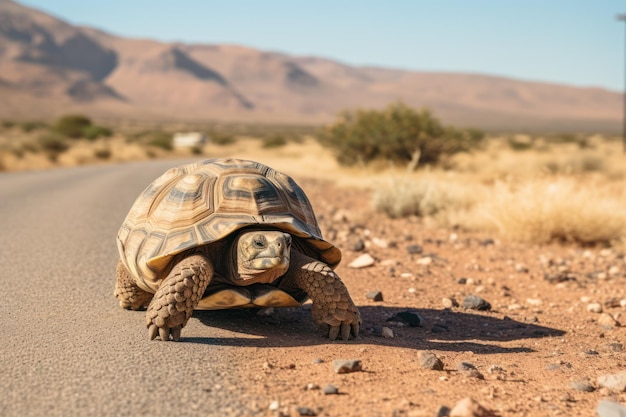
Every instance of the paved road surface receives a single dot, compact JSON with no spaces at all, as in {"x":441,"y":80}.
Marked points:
{"x":67,"y":349}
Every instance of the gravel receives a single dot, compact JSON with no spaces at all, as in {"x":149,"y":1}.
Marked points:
{"x":344,"y":366}
{"x":429,"y":360}
{"x":474,"y":302}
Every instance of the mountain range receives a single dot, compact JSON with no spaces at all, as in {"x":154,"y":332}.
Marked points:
{"x":49,"y":67}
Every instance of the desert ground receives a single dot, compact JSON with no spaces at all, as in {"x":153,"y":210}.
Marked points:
{"x":534,"y":236}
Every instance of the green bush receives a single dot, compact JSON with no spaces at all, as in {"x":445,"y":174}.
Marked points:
{"x":7,"y":124}
{"x":93,"y":132}
{"x":398,"y":133}
{"x":196,"y":150}
{"x":161,"y":140}
{"x":274,"y":141}
{"x":221,"y":139}
{"x":29,"y":126}
{"x":53,"y":144}
{"x":103,"y":153}
{"x":72,"y":125}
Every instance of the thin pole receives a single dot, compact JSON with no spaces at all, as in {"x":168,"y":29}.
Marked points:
{"x":622,"y":17}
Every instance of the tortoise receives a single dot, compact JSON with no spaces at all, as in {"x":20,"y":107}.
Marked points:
{"x":228,"y":233}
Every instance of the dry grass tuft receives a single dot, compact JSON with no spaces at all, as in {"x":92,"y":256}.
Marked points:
{"x":558,"y":209}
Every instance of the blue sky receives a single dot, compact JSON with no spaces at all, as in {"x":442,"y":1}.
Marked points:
{"x":564,"y":41}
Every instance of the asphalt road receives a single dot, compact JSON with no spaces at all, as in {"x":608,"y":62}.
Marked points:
{"x":67,"y":348}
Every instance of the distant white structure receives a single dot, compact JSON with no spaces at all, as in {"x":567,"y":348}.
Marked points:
{"x":189,"y":139}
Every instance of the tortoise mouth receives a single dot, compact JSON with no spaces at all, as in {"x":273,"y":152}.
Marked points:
{"x":266,"y":262}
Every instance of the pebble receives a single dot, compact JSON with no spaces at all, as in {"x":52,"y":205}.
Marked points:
{"x":356,"y":244}
{"x":345,"y":366}
{"x":330,"y":390}
{"x":469,"y":407}
{"x":474,"y":302}
{"x":607,"y":321}
{"x":374,"y":295}
{"x":306,"y":411}
{"x":311,"y":386}
{"x":317,"y":360}
{"x":594,"y":307}
{"x":521,"y":268}
{"x":449,"y":302}
{"x":387,"y":333}
{"x":461,"y":281}
{"x":274,"y":405}
{"x":614,"y":382}
{"x":429,"y":360}
{"x":362,"y":261}
{"x":582,"y":385}
{"x":469,"y":370}
{"x":414,"y":249}
{"x":381,"y":243}
{"x":608,"y":408}
{"x":614,"y":271}
{"x":426,"y":260}
{"x":407,"y":317}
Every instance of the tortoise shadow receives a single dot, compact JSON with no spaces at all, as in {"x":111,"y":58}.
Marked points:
{"x":444,"y":330}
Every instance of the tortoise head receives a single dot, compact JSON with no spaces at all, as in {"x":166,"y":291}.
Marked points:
{"x":262,"y":256}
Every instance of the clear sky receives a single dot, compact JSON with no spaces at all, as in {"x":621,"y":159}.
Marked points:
{"x":578,"y":42}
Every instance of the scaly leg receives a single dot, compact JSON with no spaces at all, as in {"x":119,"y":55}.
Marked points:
{"x":177,"y":297}
{"x":130,"y":295}
{"x":333,"y":309}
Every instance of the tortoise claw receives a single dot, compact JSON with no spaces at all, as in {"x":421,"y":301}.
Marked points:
{"x":333,"y":333}
{"x":164,"y":333}
{"x":345,"y":331}
{"x":153,"y":331}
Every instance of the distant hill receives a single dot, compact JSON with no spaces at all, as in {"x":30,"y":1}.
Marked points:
{"x":49,"y":67}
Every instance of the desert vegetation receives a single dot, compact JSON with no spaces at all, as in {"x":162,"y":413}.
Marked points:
{"x":534,"y":188}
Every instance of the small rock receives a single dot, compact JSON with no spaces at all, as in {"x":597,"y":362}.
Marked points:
{"x":607,"y":321}
{"x":494,"y":369}
{"x":311,"y":387}
{"x":519,"y":267}
{"x":430,"y":361}
{"x":317,"y":360}
{"x":387,"y":333}
{"x":461,"y":281}
{"x":374,"y":296}
{"x":330,"y":390}
{"x":594,"y":307}
{"x":414,"y":249}
{"x":444,"y":411}
{"x":412,"y":290}
{"x":608,"y":408}
{"x":426,"y":260}
{"x":274,"y":405}
{"x":474,"y":302}
{"x":362,"y":261}
{"x":582,"y":385}
{"x":614,"y":271}
{"x":344,"y":366}
{"x":613,"y":302}
{"x":407,"y":317}
{"x":534,"y":301}
{"x":613,"y":382}
{"x":468,"y":407}
{"x":381,"y":243}
{"x":449,"y":302}
{"x":356,"y":244}
{"x":305,"y":411}
{"x":469,"y":370}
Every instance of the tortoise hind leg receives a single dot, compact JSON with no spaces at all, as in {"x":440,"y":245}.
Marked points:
{"x":177,"y":297}
{"x":130,"y":295}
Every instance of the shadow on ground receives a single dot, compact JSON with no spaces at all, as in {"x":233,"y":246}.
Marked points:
{"x":445,"y":330}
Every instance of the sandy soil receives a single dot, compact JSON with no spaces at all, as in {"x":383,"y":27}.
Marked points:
{"x":538,"y":351}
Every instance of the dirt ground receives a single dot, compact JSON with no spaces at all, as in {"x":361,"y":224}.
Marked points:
{"x":537,"y":352}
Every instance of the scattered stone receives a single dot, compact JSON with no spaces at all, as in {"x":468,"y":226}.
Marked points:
{"x":414,"y":249}
{"x":558,"y":278}
{"x":412,"y":290}
{"x":362,"y":261}
{"x":469,"y":370}
{"x":608,"y":408}
{"x":468,"y":407}
{"x":614,"y":271}
{"x":374,"y":296}
{"x":318,"y":360}
{"x":582,"y":385}
{"x":449,"y":302}
{"x":305,"y":411}
{"x":426,"y":260}
{"x":495,"y":368}
{"x":406,"y":275}
{"x":407,"y":317}
{"x":487,"y":242}
{"x":345,"y":366}
{"x":444,"y":411}
{"x":356,"y":244}
{"x":615,"y":347}
{"x":594,"y":307}
{"x":515,"y":306}
{"x":534,"y":301}
{"x":387,"y":333}
{"x":381,"y":243}
{"x":607,"y":321}
{"x":274,"y":406}
{"x":461,"y":281}
{"x":330,"y":390}
{"x":474,"y":302}
{"x":612,"y":303}
{"x":613,"y":382}
{"x":429,"y":360}
{"x":311,"y":387}
{"x":519,"y":267}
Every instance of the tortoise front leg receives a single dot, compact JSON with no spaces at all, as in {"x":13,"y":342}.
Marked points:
{"x":333,"y":310}
{"x":177,"y":297}
{"x":126,"y":290}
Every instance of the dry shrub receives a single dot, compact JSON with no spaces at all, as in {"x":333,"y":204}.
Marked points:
{"x":429,"y":195}
{"x":561,"y":209}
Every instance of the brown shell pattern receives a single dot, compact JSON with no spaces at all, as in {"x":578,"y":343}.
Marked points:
{"x":201,"y":203}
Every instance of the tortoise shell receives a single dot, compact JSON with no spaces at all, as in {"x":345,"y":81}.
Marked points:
{"x":203,"y":203}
